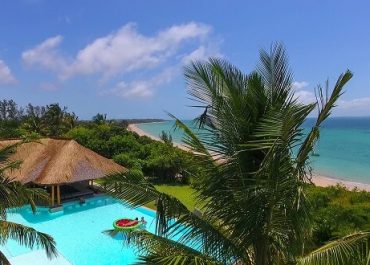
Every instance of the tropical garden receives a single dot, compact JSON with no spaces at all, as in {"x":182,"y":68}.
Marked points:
{"x":248,"y":175}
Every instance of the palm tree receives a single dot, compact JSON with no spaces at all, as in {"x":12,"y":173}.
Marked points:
{"x":70,"y":120}
{"x":33,"y":119}
{"x":13,"y":195}
{"x":253,"y":186}
{"x":100,"y":118}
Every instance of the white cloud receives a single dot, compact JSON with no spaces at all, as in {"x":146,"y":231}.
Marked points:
{"x":143,"y":88}
{"x":48,"y":86}
{"x":345,"y":107}
{"x":6,"y":76}
{"x":46,"y":55}
{"x":353,"y":107}
{"x":355,"y":103}
{"x":201,"y":53}
{"x":305,"y":96}
{"x":134,"y":89}
{"x":299,"y":85}
{"x":122,"y":51}
{"x":302,"y":94}
{"x":197,"y":54}
{"x":127,"y":50}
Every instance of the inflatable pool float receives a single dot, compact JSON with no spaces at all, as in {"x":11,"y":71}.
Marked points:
{"x":126,"y":224}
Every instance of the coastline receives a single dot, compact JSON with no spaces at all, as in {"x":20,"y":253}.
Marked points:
{"x":324,"y":181}
{"x":134,"y":128}
{"x":318,"y":180}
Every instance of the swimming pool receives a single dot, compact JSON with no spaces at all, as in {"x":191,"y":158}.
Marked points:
{"x":78,"y":231}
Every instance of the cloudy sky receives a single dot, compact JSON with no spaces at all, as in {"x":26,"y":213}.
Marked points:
{"x":126,"y":58}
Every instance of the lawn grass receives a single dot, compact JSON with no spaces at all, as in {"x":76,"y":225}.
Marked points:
{"x":182,"y":192}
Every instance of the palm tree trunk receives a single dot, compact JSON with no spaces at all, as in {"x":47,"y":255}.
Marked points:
{"x":261,"y":252}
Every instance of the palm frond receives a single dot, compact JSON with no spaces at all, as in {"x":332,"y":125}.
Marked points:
{"x":14,"y":194}
{"x":3,"y":259}
{"x":159,"y":250}
{"x":352,"y":249}
{"x":325,"y":105}
{"x":196,"y":145}
{"x":135,"y":191}
{"x":7,"y":151}
{"x":212,"y":237}
{"x":27,"y":236}
{"x":274,"y":69}
{"x":173,"y":218}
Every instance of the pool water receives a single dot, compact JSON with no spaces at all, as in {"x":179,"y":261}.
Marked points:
{"x":77,"y":231}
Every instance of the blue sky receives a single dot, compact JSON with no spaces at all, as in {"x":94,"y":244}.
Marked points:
{"x":125,"y":58}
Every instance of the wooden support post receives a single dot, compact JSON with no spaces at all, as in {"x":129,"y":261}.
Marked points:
{"x":58,"y":194}
{"x":52,"y":196}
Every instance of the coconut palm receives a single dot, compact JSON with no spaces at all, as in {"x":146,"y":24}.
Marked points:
{"x":255,"y":157}
{"x":13,"y":195}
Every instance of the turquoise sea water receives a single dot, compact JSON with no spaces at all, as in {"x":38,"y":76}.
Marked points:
{"x":78,"y":231}
{"x":343,"y":148}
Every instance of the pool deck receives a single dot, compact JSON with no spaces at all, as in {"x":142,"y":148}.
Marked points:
{"x":38,"y":257}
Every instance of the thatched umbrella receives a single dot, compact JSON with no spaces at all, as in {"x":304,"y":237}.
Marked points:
{"x":54,"y":162}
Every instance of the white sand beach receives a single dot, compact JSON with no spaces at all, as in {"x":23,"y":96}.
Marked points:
{"x":319,"y":180}
{"x":134,"y":128}
{"x":324,"y":181}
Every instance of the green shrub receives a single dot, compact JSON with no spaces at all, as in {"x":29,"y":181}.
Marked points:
{"x":337,"y":211}
{"x":127,"y":161}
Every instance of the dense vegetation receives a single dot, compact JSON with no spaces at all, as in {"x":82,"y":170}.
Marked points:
{"x":50,"y":120}
{"x":160,"y":161}
{"x":337,"y":212}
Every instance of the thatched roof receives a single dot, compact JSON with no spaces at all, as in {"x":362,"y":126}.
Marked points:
{"x":54,"y":161}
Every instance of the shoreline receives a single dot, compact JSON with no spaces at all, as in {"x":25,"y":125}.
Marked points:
{"x":324,"y":181}
{"x":317,"y":179}
{"x":134,"y":128}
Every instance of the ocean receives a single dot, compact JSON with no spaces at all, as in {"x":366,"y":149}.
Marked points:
{"x":343,"y":148}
